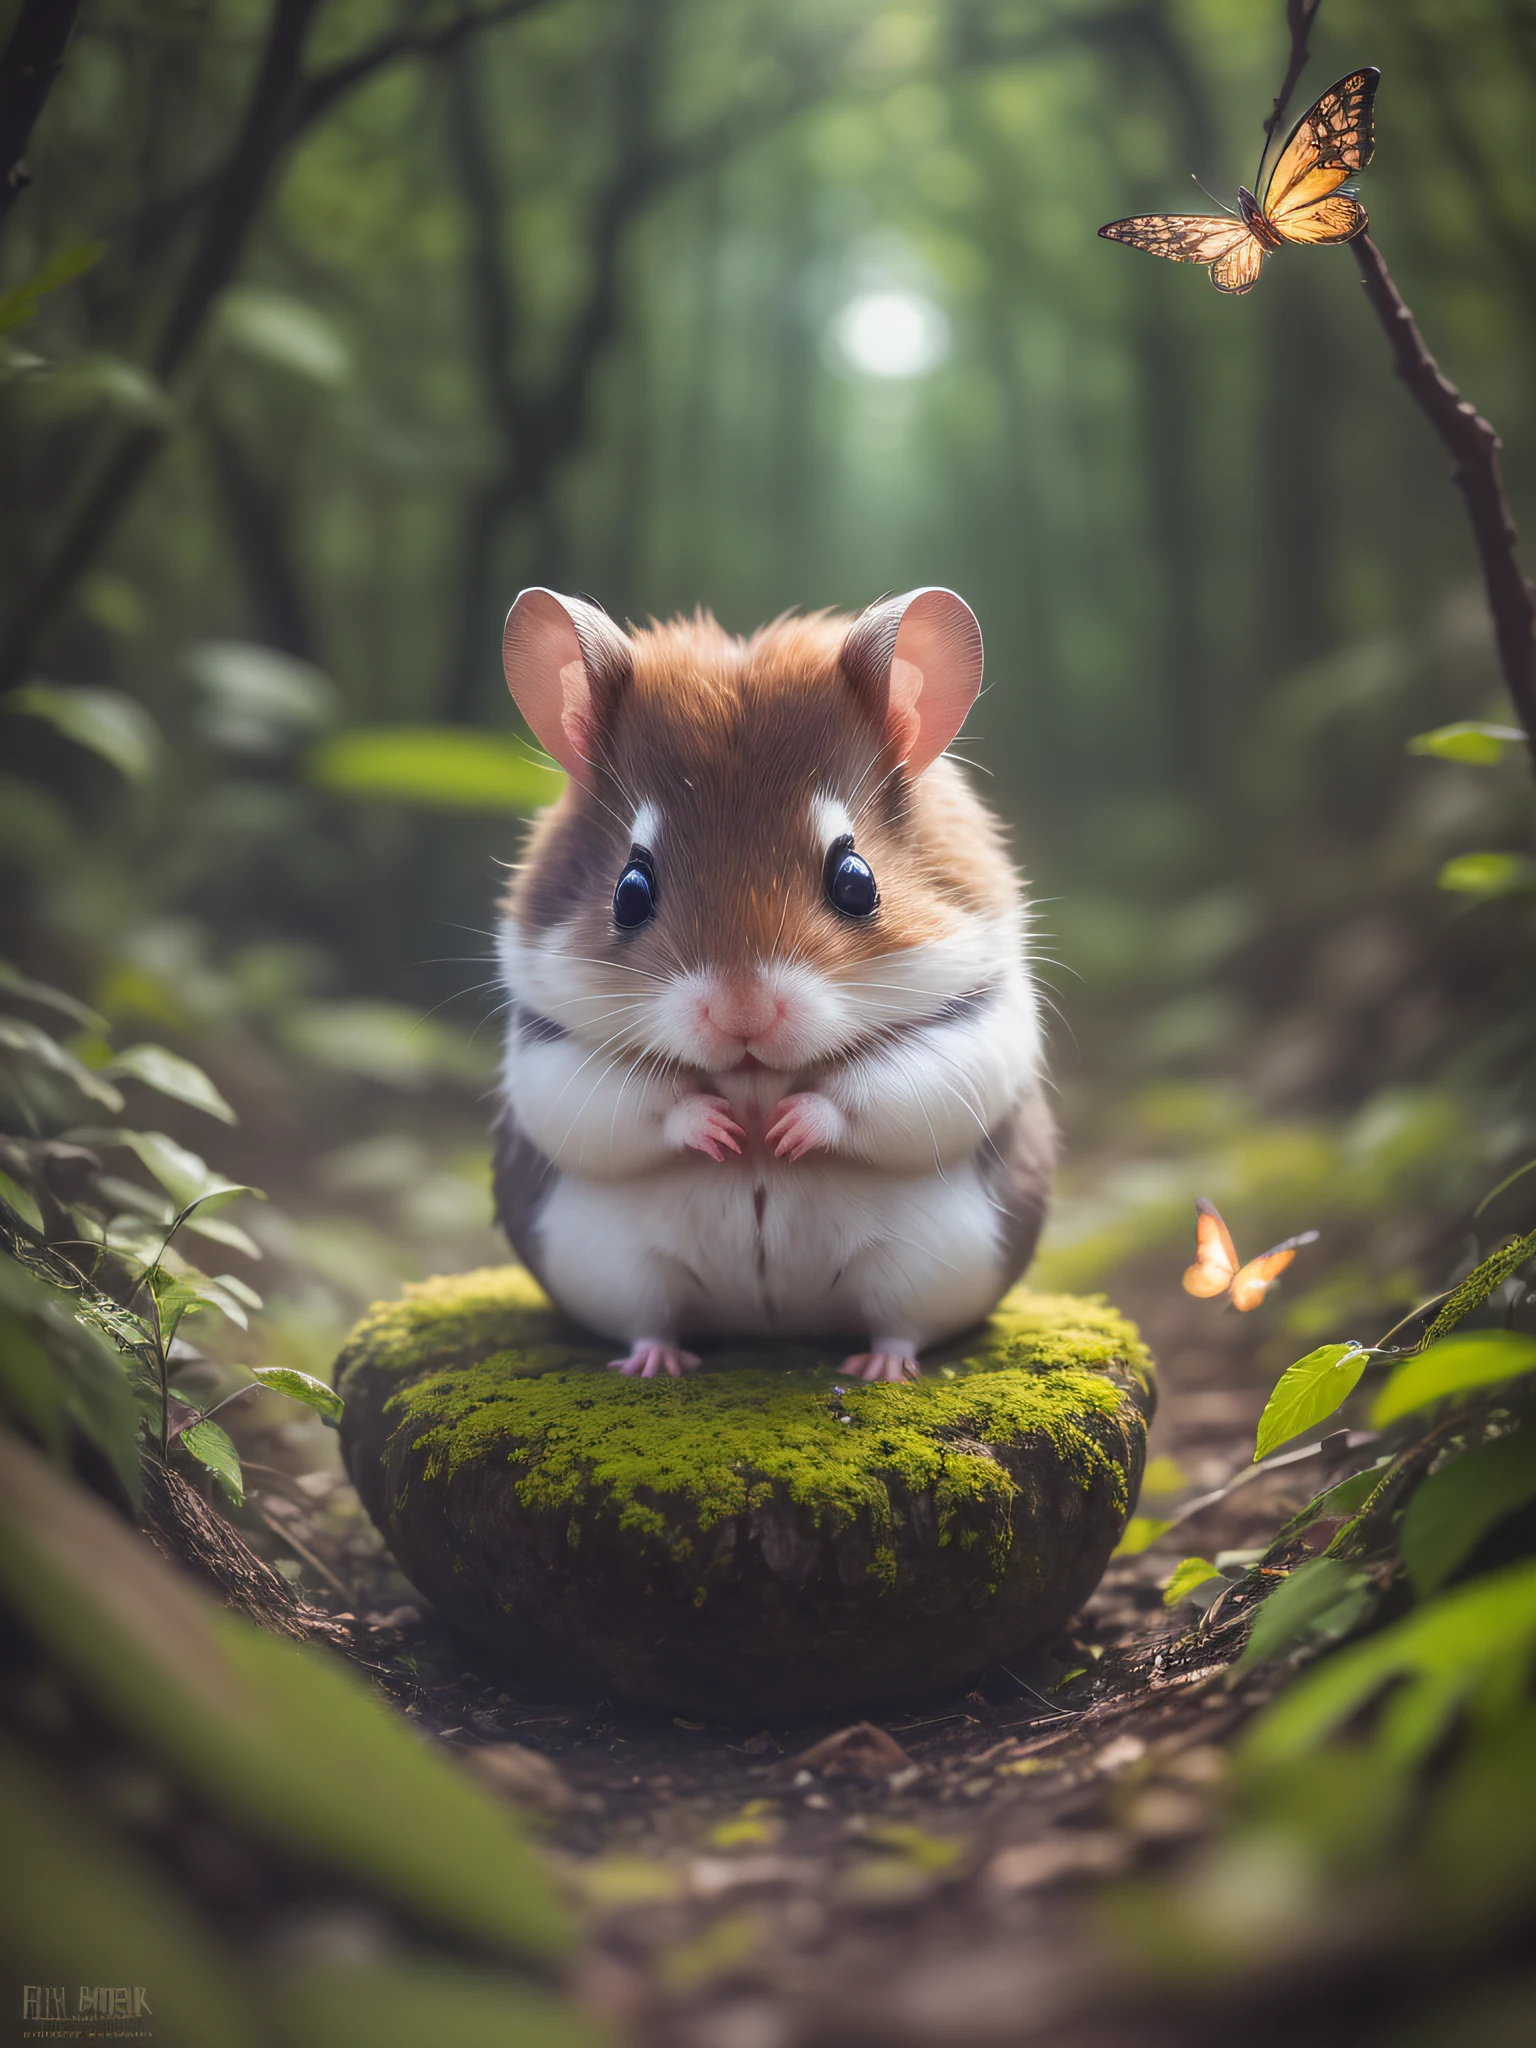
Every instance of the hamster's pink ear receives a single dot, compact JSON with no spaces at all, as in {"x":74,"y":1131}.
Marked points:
{"x":915,"y":661}
{"x":566,"y":663}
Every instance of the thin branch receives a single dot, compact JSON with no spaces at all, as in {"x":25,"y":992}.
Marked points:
{"x":33,"y":58}
{"x":1473,"y":447}
{"x":1299,"y":17}
{"x":158,"y":223}
{"x":1467,"y":437}
{"x":283,"y":103}
{"x":326,"y":87}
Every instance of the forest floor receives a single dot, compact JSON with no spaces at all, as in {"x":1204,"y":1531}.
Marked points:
{"x":937,"y":1880}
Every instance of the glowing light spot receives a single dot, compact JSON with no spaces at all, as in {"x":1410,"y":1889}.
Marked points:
{"x":898,"y":334}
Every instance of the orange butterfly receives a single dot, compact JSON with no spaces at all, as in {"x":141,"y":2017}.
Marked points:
{"x":1302,"y":201}
{"x":1216,"y":1269}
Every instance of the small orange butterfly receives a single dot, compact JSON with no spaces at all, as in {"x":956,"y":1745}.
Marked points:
{"x":1302,"y":201}
{"x":1216,"y":1269}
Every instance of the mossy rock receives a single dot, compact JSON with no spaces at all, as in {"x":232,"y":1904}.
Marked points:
{"x":763,"y":1538}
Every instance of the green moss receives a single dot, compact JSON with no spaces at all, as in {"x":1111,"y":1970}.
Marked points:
{"x":489,"y":1373}
{"x":459,"y":1318}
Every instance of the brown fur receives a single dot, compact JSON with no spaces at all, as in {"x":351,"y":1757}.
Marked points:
{"x":730,"y":738}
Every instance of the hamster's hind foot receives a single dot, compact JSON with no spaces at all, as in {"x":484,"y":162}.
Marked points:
{"x":890,"y":1360}
{"x":650,"y":1357}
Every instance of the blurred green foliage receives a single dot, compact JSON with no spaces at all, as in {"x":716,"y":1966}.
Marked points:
{"x":1384,"y":1795}
{"x":755,"y":306}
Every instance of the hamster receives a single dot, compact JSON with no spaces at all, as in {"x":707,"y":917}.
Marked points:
{"x":773,"y":1058}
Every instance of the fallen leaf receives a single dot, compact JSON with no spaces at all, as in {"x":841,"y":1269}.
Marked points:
{"x":862,"y":1751}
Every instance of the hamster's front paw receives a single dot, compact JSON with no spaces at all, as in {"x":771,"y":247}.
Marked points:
{"x":805,"y":1123}
{"x":890,"y":1360}
{"x":651,"y":1356}
{"x":703,"y":1123}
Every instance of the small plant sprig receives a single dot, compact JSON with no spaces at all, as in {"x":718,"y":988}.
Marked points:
{"x":94,"y":1283}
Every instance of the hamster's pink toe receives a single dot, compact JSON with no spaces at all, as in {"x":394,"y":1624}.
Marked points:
{"x":882,"y":1365}
{"x":649,"y":1358}
{"x":704,"y":1123}
{"x":804,"y":1123}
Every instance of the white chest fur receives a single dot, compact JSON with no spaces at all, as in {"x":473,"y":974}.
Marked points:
{"x":895,"y":1232}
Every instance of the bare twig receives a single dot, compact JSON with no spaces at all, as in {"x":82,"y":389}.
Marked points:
{"x":326,"y":87}
{"x":187,"y":1531}
{"x":147,"y":231}
{"x":1473,"y":447}
{"x":283,"y":103}
{"x":1468,"y":438}
{"x":1299,"y":17}
{"x":32,"y":61}
{"x":266,"y":130}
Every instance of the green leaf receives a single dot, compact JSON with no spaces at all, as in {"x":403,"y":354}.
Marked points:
{"x":1187,"y":1574}
{"x":1479,"y":1846}
{"x":185,"y":1178}
{"x":170,"y":1074}
{"x":272,"y":1735}
{"x":18,"y":1198}
{"x":13,"y":982}
{"x":1322,"y":1600}
{"x":1488,"y":875}
{"x":179,"y":1293}
{"x":1141,"y":1532}
{"x":211,"y":1447}
{"x":93,"y":379}
{"x":275,"y":328}
{"x":1474,"y":1641}
{"x":105,"y":721}
{"x":30,"y":1393}
{"x":1481,"y":1282}
{"x":436,"y":768}
{"x":219,"y":1230}
{"x":1458,"y":1365}
{"x":18,"y":305}
{"x":1308,"y":1391}
{"x":86,"y":1383}
{"x":241,"y":1289}
{"x":257,"y":699}
{"x":88,"y":1883}
{"x":1468,"y":740}
{"x":406,"y":2004}
{"x":1455,"y":1508}
{"x":21,"y":1036}
{"x":299,"y":1386}
{"x":1346,"y":1498}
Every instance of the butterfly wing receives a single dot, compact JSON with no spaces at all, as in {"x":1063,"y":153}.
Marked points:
{"x":1181,"y":237}
{"x":1332,"y":140}
{"x":1238,"y":271}
{"x":1215,"y":1264}
{"x":1339,"y":218}
{"x":1250,"y":1286}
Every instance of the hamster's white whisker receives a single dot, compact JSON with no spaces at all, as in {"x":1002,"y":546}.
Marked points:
{"x":872,"y":762}
{"x":889,"y":776}
{"x":596,"y":1053}
{"x":602,"y":1077}
{"x":619,"y":1099}
{"x":619,"y":966}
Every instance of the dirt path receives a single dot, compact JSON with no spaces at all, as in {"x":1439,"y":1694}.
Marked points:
{"x":809,"y":1886}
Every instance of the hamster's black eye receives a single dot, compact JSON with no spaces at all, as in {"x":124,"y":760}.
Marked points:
{"x":850,"y":881}
{"x":634,"y":899}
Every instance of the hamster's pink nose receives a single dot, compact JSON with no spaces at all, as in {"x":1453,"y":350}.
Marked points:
{"x":743,"y":1009}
